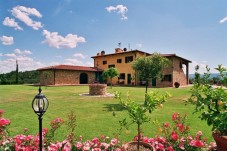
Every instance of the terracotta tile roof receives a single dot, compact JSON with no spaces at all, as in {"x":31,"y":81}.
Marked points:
{"x":174,"y":55}
{"x":123,"y":52}
{"x":70,"y":67}
{"x":148,"y":54}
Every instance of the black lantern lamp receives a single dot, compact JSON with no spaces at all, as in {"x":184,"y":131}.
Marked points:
{"x":40,"y":105}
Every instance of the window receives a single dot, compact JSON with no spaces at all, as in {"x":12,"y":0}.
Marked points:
{"x":122,"y":76}
{"x":111,"y":66}
{"x":128,"y":59}
{"x":167,"y":77}
{"x":104,"y":62}
{"x":118,"y":60}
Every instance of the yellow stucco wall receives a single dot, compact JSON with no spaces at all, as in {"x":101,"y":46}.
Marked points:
{"x":174,"y":70}
{"x":122,"y":67}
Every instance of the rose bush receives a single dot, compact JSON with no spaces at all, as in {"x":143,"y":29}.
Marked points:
{"x":173,"y":136}
{"x":176,"y":136}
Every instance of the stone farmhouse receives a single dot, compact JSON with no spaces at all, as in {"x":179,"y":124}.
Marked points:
{"x":177,"y":71}
{"x":67,"y":75}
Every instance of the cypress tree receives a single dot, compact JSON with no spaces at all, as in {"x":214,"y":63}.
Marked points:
{"x":17,"y":72}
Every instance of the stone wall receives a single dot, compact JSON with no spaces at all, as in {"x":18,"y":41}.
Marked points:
{"x":46,"y":77}
{"x":64,"y":77}
{"x":176,"y":70}
{"x":97,"y":89}
{"x":166,"y":71}
{"x":179,"y":75}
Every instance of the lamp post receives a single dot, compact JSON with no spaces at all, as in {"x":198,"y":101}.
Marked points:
{"x":40,"y":105}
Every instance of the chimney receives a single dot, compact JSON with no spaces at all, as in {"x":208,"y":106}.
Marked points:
{"x":118,"y":50}
{"x":102,"y":53}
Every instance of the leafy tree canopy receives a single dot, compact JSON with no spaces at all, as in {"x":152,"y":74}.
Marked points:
{"x":150,"y":66}
{"x":111,"y":73}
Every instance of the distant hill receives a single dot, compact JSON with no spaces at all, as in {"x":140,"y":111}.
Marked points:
{"x":191,"y":76}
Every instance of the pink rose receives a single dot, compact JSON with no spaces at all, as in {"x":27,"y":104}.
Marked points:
{"x":174,"y":136}
{"x":197,"y":143}
{"x":160,"y":146}
{"x":79,"y":145}
{"x":4,"y":122}
{"x":166,"y":125}
{"x":145,"y":139}
{"x":174,"y":116}
{"x":95,"y":140}
{"x":181,"y":145}
{"x":170,"y":148}
{"x":114,"y":142}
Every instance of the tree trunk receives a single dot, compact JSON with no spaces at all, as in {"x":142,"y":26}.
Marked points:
{"x":146,"y":86}
{"x":17,"y":74}
{"x":111,"y":83}
{"x":138,"y":141}
{"x":145,"y":102}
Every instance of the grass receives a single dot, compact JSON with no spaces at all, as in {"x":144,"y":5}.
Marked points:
{"x":94,"y":114}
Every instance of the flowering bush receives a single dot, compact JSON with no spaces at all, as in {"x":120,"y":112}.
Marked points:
{"x":49,"y":134}
{"x":3,"y":126}
{"x":176,"y":136}
{"x":172,"y":137}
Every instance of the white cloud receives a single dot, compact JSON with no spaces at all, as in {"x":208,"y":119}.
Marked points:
{"x":223,"y":20}
{"x":25,"y":52}
{"x":139,"y":45}
{"x":120,"y":9}
{"x":77,"y":62}
{"x":79,"y":55}
{"x":25,"y":63}
{"x":11,"y":23}
{"x":1,"y":54}
{"x":53,"y":39}
{"x":7,"y":40}
{"x":90,"y":64}
{"x":23,"y":14}
{"x":13,"y":55}
{"x":74,"y":62}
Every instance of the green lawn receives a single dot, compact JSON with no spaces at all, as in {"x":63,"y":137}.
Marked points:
{"x":94,"y":114}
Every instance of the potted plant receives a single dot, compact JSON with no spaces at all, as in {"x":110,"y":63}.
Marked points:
{"x":137,"y":112}
{"x":212,"y":104}
{"x":176,"y":84}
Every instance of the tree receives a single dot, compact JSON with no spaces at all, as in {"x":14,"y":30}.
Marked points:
{"x":149,"y":67}
{"x":110,"y":72}
{"x":17,"y":73}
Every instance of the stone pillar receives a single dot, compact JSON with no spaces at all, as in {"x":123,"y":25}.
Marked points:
{"x":187,"y":74}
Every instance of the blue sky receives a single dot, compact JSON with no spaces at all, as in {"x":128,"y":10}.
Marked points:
{"x":44,"y":33}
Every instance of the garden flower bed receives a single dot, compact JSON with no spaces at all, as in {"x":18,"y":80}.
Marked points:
{"x":172,"y":136}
